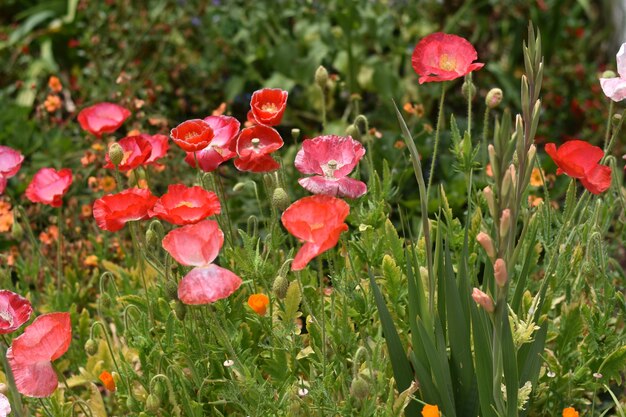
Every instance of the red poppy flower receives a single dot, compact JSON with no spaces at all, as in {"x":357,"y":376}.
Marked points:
{"x":219,"y":150}
{"x":10,"y":163}
{"x":192,"y":135}
{"x":15,"y":310}
{"x":160,"y":144}
{"x":268,"y":105}
{"x":185,"y":205}
{"x":102,"y":118}
{"x":332,"y":158}
{"x":49,"y":186}
{"x":198,"y":245}
{"x":443,"y":57}
{"x":137,"y":150}
{"x":31,"y":354}
{"x":318,"y":221}
{"x":254,"y":146}
{"x":579,"y":159}
{"x":114,"y":210}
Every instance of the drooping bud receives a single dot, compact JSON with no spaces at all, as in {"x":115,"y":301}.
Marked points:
{"x":171,"y":289}
{"x":151,"y":238}
{"x":116,"y":153}
{"x":500,"y":273}
{"x":359,"y":388}
{"x":616,"y":119}
{"x":485,"y":241}
{"x":505,"y":223}
{"x":153,"y":403}
{"x":279,"y":287}
{"x":483,"y":300}
{"x":494,"y":98}
{"x":362,"y":123}
{"x":280,"y":199}
{"x":353,"y":131}
{"x":321,"y":77}
{"x":91,"y":348}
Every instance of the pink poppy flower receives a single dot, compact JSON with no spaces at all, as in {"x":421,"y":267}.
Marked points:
{"x":137,"y":149}
{"x":332,"y":158}
{"x":49,"y":186}
{"x":615,"y":88}
{"x":185,"y":205}
{"x":31,"y":354}
{"x":318,"y":221}
{"x":102,"y":118}
{"x":268,"y":105}
{"x":443,"y":57}
{"x":160,"y":144}
{"x":5,"y":406}
{"x":198,"y":245}
{"x":254,"y":146}
{"x":225,"y":129}
{"x":10,"y":163}
{"x":113,"y":211}
{"x":15,"y":310}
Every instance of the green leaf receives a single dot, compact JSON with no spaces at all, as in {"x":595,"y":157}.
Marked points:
{"x":292,"y":301}
{"x":614,"y":364}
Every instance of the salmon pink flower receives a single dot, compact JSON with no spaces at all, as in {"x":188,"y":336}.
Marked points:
{"x":112,"y":211}
{"x":332,"y":158}
{"x":198,"y":245}
{"x":49,"y":186}
{"x":615,"y":87}
{"x":443,"y":57}
{"x":10,"y":163}
{"x":137,"y":150}
{"x":192,"y":135}
{"x":268,"y":105}
{"x":579,"y":159}
{"x":160,"y":144}
{"x":15,"y":310}
{"x":102,"y":118}
{"x":185,"y":205}
{"x":318,"y":221}
{"x":219,"y":150}
{"x":254,"y":146}
{"x":31,"y":354}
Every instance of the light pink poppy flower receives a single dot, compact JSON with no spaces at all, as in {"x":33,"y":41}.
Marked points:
{"x":220,"y":149}
{"x":10,"y":163}
{"x":102,"y":118}
{"x":49,"y":186}
{"x":15,"y":310}
{"x":31,"y":354}
{"x":332,"y":158}
{"x":198,"y":245}
{"x":5,"y":406}
{"x":615,"y":88}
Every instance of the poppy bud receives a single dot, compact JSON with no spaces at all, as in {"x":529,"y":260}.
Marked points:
{"x":151,"y":238}
{"x":359,"y":388}
{"x":181,"y":310}
{"x":608,"y":74}
{"x":468,"y":89}
{"x":617,"y":118}
{"x":295,"y":134}
{"x":91,"y":348}
{"x":279,"y":287}
{"x":171,"y":289}
{"x":105,"y":299}
{"x":132,"y":403}
{"x":321,"y":77}
{"x":153,"y":403}
{"x":353,"y":131}
{"x":499,"y":271}
{"x":280,"y":199}
{"x":116,"y":153}
{"x":494,"y":98}
{"x":361,"y":123}
{"x":485,"y":241}
{"x":505,"y":222}
{"x":483,"y":300}
{"x":492,"y":156}
{"x":16,"y":230}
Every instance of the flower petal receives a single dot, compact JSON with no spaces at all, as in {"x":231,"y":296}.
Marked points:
{"x":614,"y":88}
{"x":33,"y":379}
{"x":196,"y":244}
{"x":207,"y":284}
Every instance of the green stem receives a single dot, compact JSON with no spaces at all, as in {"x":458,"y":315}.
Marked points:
{"x":320,"y":273}
{"x":607,"y":133}
{"x":60,"y":249}
{"x":437,"y":134}
{"x":16,"y":400}
{"x":323,"y":94}
{"x":484,"y":156}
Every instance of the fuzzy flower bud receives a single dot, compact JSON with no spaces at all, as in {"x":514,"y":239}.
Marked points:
{"x":181,"y":310}
{"x":280,"y":199}
{"x":468,"y":89}
{"x":321,"y":77}
{"x":280,"y":287}
{"x":171,"y":289}
{"x":359,"y":388}
{"x":295,"y":134}
{"x":494,"y":98}
{"x":116,"y":153}
{"x":505,"y":222}
{"x":353,"y":131}
{"x":17,"y":232}
{"x":91,"y":348}
{"x":616,"y":120}
{"x":485,"y":241}
{"x":153,"y":403}
{"x":499,"y":271}
{"x":483,"y":300}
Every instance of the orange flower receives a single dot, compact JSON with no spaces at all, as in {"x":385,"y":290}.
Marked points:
{"x":535,"y":178}
{"x":408,"y":107}
{"x":55,"y":84}
{"x":50,"y":235}
{"x":430,"y":411}
{"x":570,"y":412}
{"x":534,"y":201}
{"x":86,"y":211}
{"x":6,"y":216}
{"x":107,"y":381}
{"x":91,"y":260}
{"x":489,"y":170}
{"x":259,"y":303}
{"x":219,"y":110}
{"x":52,"y":103}
{"x":107,"y":184}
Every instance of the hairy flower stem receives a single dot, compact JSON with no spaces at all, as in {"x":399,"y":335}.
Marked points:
{"x":320,"y":274}
{"x":437,"y":134}
{"x":484,"y":157}
{"x":323,"y":106}
{"x":607,"y":133}
{"x":60,"y":249}
{"x":16,"y":399}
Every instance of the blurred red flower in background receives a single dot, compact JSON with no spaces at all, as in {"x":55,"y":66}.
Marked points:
{"x":102,"y":118}
{"x":49,"y":186}
{"x":579,"y":159}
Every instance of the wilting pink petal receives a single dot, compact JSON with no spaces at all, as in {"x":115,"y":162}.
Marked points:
{"x":207,"y":284}
{"x":343,"y":187}
{"x":196,"y":244}
{"x":15,"y":310}
{"x":5,"y":406}
{"x":614,"y":88}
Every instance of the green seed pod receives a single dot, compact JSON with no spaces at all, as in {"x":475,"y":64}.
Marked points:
{"x":153,"y":403}
{"x":359,"y":388}
{"x":171,"y":289}
{"x":321,"y":77}
{"x":116,"y":153}
{"x":280,"y":199}
{"x":280,"y":287}
{"x":91,"y":348}
{"x":181,"y":310}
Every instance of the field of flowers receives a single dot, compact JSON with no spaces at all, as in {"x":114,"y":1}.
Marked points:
{"x":340,"y":208}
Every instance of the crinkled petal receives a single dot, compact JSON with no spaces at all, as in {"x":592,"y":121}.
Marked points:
{"x":207,"y":284}
{"x":307,"y":252}
{"x":614,"y":88}
{"x":320,"y":185}
{"x":33,"y":379}
{"x":46,"y":339}
{"x":264,"y":163}
{"x":196,"y":244}
{"x":351,"y":188}
{"x":597,"y":180}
